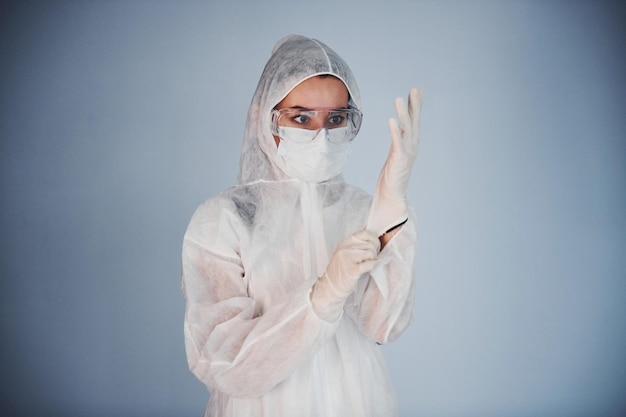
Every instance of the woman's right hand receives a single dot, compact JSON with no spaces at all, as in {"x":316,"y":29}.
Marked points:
{"x":353,"y":257}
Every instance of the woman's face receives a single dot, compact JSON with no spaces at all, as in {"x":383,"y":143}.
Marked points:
{"x":320,"y":92}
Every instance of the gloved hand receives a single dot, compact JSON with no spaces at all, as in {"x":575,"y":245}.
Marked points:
{"x":389,"y":207}
{"x":353,"y":257}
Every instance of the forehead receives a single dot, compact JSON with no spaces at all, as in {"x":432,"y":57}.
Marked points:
{"x":317,"y":92}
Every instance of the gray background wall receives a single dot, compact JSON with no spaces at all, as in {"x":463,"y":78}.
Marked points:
{"x":118,"y":118}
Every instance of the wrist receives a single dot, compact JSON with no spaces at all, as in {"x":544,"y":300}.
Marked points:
{"x":390,"y":233}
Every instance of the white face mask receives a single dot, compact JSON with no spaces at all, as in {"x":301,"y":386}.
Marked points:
{"x":315,"y":160}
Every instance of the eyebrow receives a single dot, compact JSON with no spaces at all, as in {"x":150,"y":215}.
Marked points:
{"x":310,"y":109}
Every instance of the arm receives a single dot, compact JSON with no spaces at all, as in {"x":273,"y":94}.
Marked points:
{"x":231,"y":346}
{"x":385,"y":300}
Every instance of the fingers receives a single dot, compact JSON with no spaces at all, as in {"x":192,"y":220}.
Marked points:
{"x":363,"y":246}
{"x":407,"y":124}
{"x":361,"y":240}
{"x":415,"y":101}
{"x":403,"y":115}
{"x":396,"y":133}
{"x":366,"y":236}
{"x":367,"y":266}
{"x":415,"y":108}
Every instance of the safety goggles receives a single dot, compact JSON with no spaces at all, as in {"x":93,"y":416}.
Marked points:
{"x":347,"y":121}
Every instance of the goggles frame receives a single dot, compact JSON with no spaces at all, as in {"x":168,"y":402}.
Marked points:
{"x":350,"y":118}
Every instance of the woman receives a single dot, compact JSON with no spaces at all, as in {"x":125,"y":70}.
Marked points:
{"x":288,"y":292}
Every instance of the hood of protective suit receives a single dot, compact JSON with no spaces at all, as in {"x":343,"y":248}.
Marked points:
{"x":294,"y":59}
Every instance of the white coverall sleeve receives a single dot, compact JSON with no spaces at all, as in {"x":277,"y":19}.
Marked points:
{"x":230,"y":346}
{"x":382,"y":304}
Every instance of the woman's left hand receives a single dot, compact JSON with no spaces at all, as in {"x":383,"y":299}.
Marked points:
{"x":389,"y":207}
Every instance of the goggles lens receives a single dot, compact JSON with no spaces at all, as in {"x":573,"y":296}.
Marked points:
{"x":348,"y":121}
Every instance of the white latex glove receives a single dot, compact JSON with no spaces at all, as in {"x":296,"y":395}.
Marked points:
{"x":389,"y":207}
{"x":353,"y":257}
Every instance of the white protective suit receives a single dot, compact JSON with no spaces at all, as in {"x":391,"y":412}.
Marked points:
{"x":250,"y":258}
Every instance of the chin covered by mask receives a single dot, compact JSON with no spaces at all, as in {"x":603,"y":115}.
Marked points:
{"x":312,"y":160}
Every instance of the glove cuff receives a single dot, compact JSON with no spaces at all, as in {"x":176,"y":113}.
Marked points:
{"x":396,"y":226}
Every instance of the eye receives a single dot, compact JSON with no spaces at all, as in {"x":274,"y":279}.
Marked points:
{"x":336,"y":120}
{"x":301,"y":119}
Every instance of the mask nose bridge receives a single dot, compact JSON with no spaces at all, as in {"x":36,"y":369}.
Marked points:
{"x":323,"y":137}
{"x":322,"y":133}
